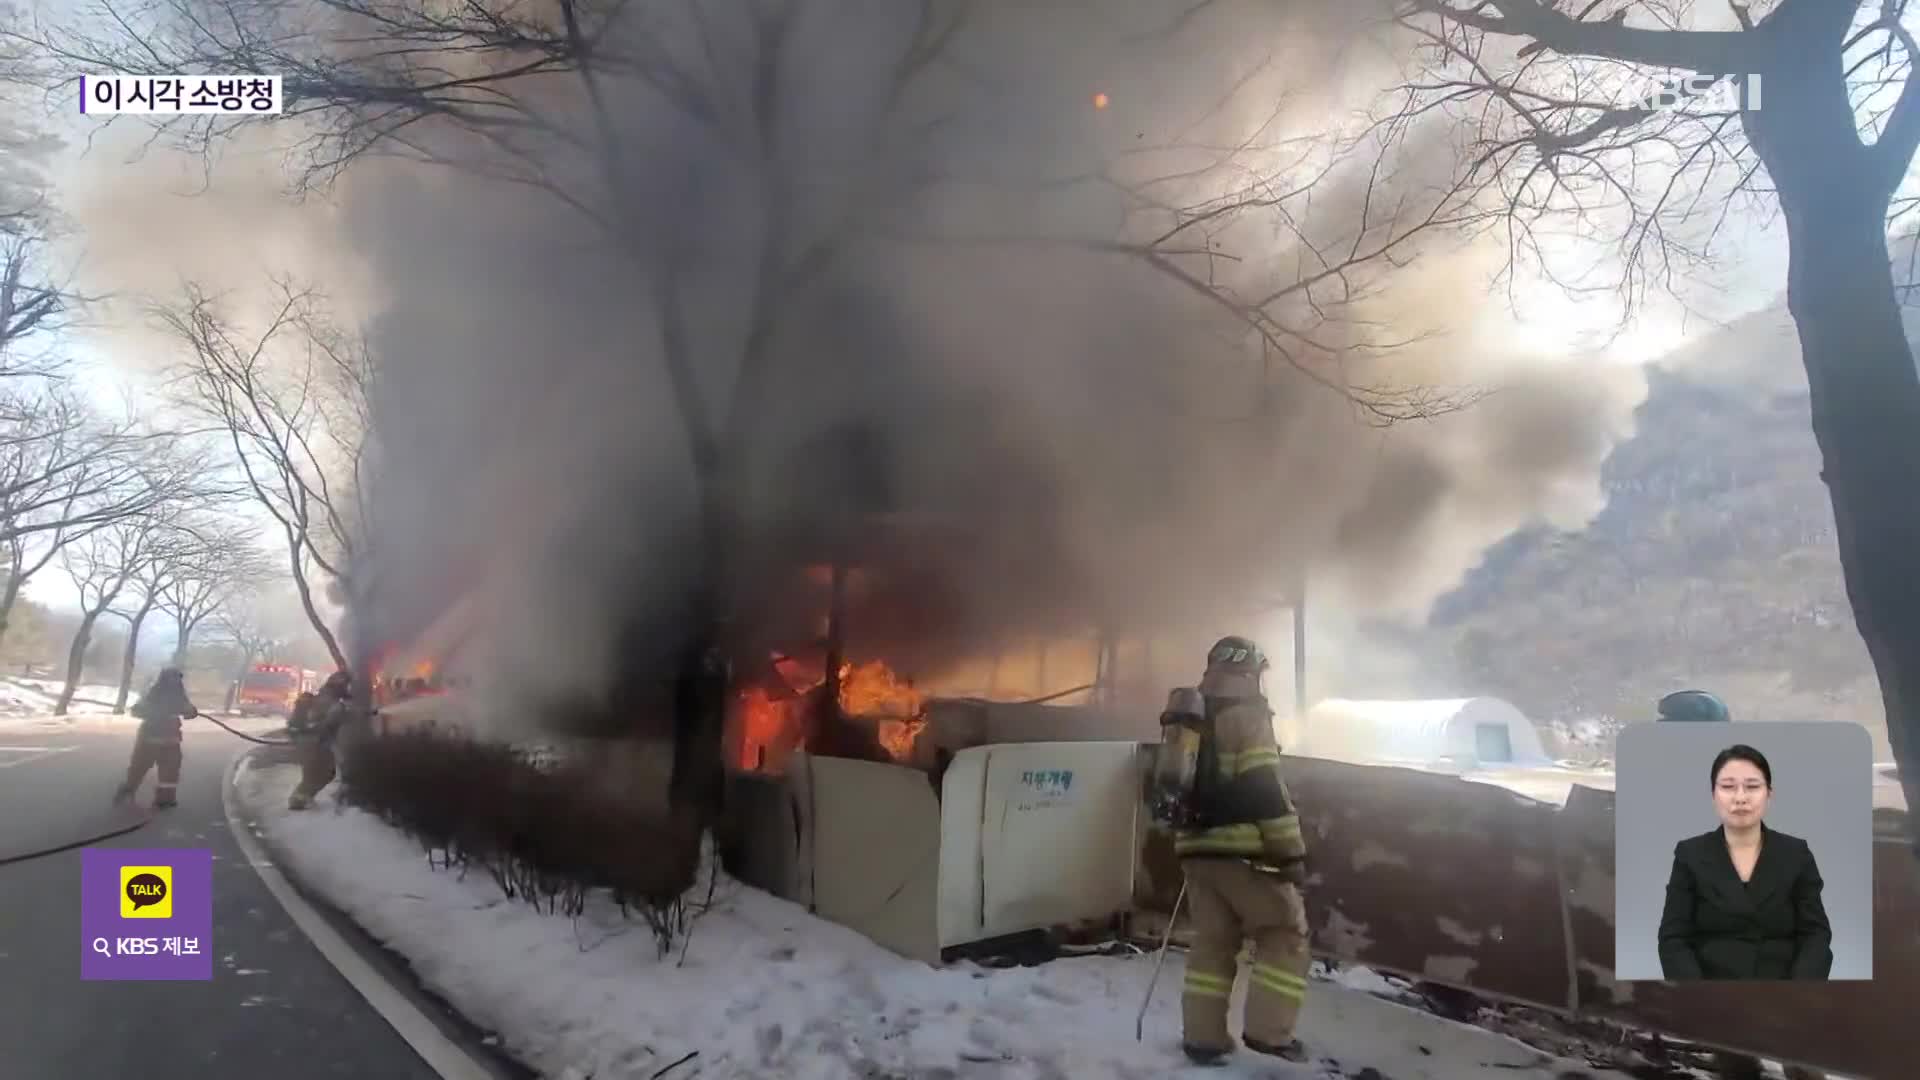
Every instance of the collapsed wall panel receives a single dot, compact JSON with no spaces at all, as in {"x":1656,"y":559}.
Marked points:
{"x":876,"y":852}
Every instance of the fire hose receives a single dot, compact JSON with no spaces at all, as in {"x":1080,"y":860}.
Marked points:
{"x":242,"y":734}
{"x":1140,"y":1021}
{"x":145,"y":820}
{"x":82,"y":842}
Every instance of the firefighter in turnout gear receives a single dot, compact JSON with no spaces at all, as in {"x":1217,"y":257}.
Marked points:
{"x":1241,"y":849}
{"x":314,"y":727}
{"x":160,"y":710}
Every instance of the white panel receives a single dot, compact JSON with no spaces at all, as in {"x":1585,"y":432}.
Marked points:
{"x":877,"y":852}
{"x":962,"y":809}
{"x":1057,"y":842}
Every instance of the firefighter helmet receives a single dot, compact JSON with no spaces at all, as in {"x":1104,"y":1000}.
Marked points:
{"x":1693,"y":705}
{"x":1236,"y":653}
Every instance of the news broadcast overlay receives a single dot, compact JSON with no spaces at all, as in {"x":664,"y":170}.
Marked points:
{"x":146,"y":915}
{"x":1694,"y":898}
{"x":114,"y":95}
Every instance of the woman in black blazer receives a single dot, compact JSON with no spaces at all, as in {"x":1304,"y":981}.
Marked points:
{"x":1743,"y":901}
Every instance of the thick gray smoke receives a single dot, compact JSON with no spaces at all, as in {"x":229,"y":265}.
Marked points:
{"x":1061,"y":437}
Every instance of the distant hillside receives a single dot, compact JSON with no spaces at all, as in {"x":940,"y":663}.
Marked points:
{"x":1713,"y":565}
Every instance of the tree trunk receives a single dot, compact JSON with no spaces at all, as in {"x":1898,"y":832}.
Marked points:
{"x":233,"y":686}
{"x":1865,"y":403}
{"x":704,"y":681}
{"x":187,"y":627}
{"x":10,"y":595}
{"x":76,"y":660}
{"x":294,"y":546}
{"x":129,"y":656}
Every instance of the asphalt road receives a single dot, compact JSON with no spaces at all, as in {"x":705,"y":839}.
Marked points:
{"x":275,"y":1007}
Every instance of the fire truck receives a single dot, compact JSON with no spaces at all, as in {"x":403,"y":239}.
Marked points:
{"x":270,"y":689}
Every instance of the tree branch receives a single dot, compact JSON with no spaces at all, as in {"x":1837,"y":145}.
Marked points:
{"x":1706,"y":52}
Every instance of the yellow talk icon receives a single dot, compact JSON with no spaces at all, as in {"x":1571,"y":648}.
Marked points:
{"x":146,"y":892}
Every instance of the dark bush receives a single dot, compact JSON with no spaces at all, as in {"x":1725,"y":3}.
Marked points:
{"x":546,"y":833}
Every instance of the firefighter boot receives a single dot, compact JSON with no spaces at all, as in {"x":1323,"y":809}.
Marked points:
{"x":168,"y":760}
{"x":1201,"y":1054}
{"x":1292,"y":1050}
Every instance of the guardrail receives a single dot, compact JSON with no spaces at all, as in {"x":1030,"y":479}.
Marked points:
{"x":1470,"y":885}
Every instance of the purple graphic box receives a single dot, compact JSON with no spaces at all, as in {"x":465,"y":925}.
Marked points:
{"x":146,"y":914}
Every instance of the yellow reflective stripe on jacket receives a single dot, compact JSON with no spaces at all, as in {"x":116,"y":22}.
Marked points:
{"x":1204,"y":985}
{"x":1282,"y":836}
{"x":1279,"y":981}
{"x":1278,"y":837}
{"x":1243,"y":840}
{"x":1248,"y":760}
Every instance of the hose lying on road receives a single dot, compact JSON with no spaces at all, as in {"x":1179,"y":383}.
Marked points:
{"x":244,"y":735}
{"x":123,"y":830}
{"x":84,"y":841}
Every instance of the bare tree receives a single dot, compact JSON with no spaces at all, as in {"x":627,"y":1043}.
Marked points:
{"x":30,"y":303}
{"x":289,"y":401}
{"x":102,"y":565}
{"x":223,"y":563}
{"x":249,"y":620}
{"x":33,"y":303}
{"x":164,"y":556}
{"x":66,"y":472}
{"x":1596,"y":120}
{"x":64,"y":467}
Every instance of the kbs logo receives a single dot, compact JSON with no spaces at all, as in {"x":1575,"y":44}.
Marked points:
{"x":1706,"y":94}
{"x":146,"y":892}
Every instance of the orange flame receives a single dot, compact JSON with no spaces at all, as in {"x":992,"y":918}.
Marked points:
{"x":762,"y":723}
{"x":871,"y":691}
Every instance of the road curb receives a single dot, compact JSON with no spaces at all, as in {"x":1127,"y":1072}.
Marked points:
{"x":398,"y":1005}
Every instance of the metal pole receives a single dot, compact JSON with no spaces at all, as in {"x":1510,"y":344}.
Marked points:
{"x":1140,"y":1021}
{"x":1300,"y":650}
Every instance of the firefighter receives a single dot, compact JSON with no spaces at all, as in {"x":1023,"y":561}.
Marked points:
{"x":1244,"y":858}
{"x":314,"y":727}
{"x":157,"y":744}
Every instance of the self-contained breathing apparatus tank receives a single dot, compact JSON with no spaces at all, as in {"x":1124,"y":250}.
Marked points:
{"x":1176,"y":760}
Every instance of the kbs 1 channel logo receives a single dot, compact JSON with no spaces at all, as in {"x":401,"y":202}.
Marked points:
{"x":232,"y":95}
{"x":146,"y":915}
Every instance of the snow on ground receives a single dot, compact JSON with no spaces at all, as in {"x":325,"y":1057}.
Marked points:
{"x":765,"y":990}
{"x":27,"y":704}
